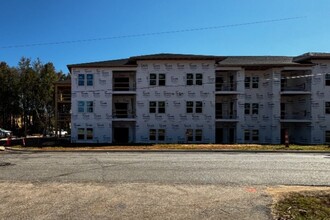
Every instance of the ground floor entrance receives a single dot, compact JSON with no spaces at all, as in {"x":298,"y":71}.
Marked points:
{"x":121,"y":135}
{"x":225,"y":135}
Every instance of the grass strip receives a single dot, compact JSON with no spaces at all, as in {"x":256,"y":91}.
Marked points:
{"x":303,"y":205}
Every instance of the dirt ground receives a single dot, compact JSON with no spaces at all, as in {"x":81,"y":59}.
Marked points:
{"x":20,"y":200}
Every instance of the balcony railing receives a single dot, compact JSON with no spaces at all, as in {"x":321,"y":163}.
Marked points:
{"x":123,"y":114}
{"x":63,"y":97}
{"x":301,"y":87}
{"x":123,"y":87}
{"x":225,"y":86}
{"x":296,"y":116}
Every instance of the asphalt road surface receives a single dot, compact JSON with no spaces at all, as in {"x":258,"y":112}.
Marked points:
{"x":170,"y":168}
{"x":151,"y":185}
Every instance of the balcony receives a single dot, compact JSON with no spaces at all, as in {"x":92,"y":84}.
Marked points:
{"x":123,"y":112}
{"x":226,"y":82}
{"x":225,"y":87}
{"x":295,"y":83}
{"x":299,"y":116}
{"x":124,"y":83}
{"x":64,"y":97}
{"x":226,"y":118}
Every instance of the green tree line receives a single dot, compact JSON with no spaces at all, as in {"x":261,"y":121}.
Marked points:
{"x":27,"y":96}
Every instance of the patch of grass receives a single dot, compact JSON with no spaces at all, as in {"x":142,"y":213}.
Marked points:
{"x":246,"y":147}
{"x":304,"y":205}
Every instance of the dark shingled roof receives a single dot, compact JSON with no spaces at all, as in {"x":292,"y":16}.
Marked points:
{"x":221,"y":60}
{"x":132,"y":60}
{"x":170,"y":56}
{"x":257,"y":60}
{"x":311,"y":55}
{"x":107,"y":63}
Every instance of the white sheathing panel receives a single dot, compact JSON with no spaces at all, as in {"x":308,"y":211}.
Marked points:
{"x":175,"y":94}
{"x":100,"y":94}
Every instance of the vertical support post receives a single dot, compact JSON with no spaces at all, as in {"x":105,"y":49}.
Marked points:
{"x":286,"y":137}
{"x":56,"y":109}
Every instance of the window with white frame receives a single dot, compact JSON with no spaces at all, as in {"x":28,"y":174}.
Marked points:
{"x":251,"y":108}
{"x":152,"y":134}
{"x":81,"y":133}
{"x":161,"y":134}
{"x":255,"y":135}
{"x":247,"y":82}
{"x":194,"y":107}
{"x":251,"y":82}
{"x":89,"y":133}
{"x":247,"y":107}
{"x":88,"y":79}
{"x":246,"y":135}
{"x":194,"y":79}
{"x":251,"y":135}
{"x":255,"y":82}
{"x":81,"y":79}
{"x":327,"y":137}
{"x":327,"y":108}
{"x":198,"y":134}
{"x":85,"y":134}
{"x":194,"y":135}
{"x":255,"y":108}
{"x":81,"y":106}
{"x":157,"y":79}
{"x":156,"y":134}
{"x":157,"y":107}
{"x":85,"y":106}
{"x":89,"y":106}
{"x":327,"y":79}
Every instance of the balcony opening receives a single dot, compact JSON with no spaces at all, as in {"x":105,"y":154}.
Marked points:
{"x":296,"y":81}
{"x":121,"y":84}
{"x":121,"y":110}
{"x":225,"y":108}
{"x":225,"y":81}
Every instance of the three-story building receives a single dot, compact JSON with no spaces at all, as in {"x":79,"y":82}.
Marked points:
{"x":175,"y":98}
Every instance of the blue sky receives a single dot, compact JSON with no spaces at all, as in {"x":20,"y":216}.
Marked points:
{"x":44,"y":21}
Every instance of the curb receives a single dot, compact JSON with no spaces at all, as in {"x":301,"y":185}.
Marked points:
{"x":170,"y":151}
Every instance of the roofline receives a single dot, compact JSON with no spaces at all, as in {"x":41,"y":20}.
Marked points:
{"x":309,"y":56}
{"x":268,"y":65}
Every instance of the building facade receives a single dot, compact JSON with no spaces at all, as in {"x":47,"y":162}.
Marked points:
{"x":175,"y":98}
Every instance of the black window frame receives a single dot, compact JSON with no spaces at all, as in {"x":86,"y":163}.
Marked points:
{"x":190,"y":79}
{"x":152,"y":134}
{"x":161,"y":107}
{"x":247,"y":82}
{"x":247,"y":107}
{"x":327,"y":137}
{"x":152,"y":107}
{"x":255,"y":82}
{"x":89,"y":79}
{"x":81,"y":135}
{"x":189,"y":107}
{"x":327,"y":79}
{"x":327,"y":108}
{"x":161,"y":134}
{"x":81,"y":79}
{"x":255,"y":108}
{"x":198,"y":107}
{"x":199,"y":135}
